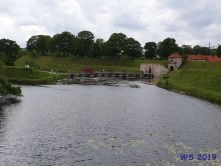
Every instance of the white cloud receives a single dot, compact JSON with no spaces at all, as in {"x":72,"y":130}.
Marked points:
{"x":189,"y":22}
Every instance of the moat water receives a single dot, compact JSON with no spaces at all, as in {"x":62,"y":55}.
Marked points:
{"x":109,"y":125}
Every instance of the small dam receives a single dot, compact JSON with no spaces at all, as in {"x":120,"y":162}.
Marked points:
{"x":107,"y":78}
{"x":121,"y":75}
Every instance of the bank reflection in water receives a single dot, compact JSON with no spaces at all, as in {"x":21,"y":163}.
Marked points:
{"x":107,"y":125}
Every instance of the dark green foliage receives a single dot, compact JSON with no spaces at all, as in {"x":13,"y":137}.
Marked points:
{"x":116,"y":45}
{"x":38,"y":43}
{"x":3,"y":58}
{"x":133,"y":48}
{"x":22,"y":53}
{"x":167,"y":47}
{"x":98,"y":48}
{"x":41,"y":44}
{"x":201,"y":50}
{"x":85,"y":41}
{"x":31,"y":43}
{"x":197,"y":49}
{"x":213,"y":52}
{"x":150,"y":50}
{"x":218,"y":51}
{"x":5,"y":87}
{"x":205,"y":51}
{"x":187,"y":50}
{"x":34,"y":53}
{"x":62,"y":44}
{"x":66,"y":42}
{"x":10,"y":49}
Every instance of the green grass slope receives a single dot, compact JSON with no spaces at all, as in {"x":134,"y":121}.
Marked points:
{"x":200,"y":79}
{"x":29,"y":76}
{"x":68,"y":64}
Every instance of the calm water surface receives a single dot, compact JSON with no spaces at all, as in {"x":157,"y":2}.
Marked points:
{"x":108,"y":125}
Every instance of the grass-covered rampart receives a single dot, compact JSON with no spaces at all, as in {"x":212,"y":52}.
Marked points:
{"x":199,"y":79}
{"x":30,"y":76}
{"x":72,"y":64}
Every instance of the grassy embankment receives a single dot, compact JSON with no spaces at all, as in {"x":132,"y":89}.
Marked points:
{"x":199,"y":79}
{"x":64,"y":64}
{"x":29,"y":76}
{"x":21,"y":75}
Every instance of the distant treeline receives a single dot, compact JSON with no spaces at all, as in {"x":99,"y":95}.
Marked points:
{"x":118,"y":46}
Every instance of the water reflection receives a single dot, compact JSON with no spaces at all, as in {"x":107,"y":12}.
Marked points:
{"x":107,"y":125}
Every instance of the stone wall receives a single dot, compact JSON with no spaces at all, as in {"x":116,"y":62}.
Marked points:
{"x":155,"y":69}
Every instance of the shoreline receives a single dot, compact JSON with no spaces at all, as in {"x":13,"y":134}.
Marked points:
{"x":8,"y":100}
{"x":197,"y":92}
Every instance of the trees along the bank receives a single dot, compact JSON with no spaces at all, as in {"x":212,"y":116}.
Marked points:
{"x":133,"y":48}
{"x":167,"y":47}
{"x":85,"y":41}
{"x":187,"y":49}
{"x":213,"y":51}
{"x":98,"y":48}
{"x":31,"y":43}
{"x":197,"y":49}
{"x":3,"y":58}
{"x":115,"y":46}
{"x":5,"y":87}
{"x":67,"y":42}
{"x":38,"y":43}
{"x":41,"y":44}
{"x":22,"y":53}
{"x":10,"y":49}
{"x":205,"y":51}
{"x":61,"y":43}
{"x":150,"y":49}
{"x":53,"y":46}
{"x":218,"y":51}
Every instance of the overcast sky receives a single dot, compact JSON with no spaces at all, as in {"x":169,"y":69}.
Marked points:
{"x":191,"y":22}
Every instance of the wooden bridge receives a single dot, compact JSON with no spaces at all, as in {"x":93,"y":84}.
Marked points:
{"x":123,"y":75}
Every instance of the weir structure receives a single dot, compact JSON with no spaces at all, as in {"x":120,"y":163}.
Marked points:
{"x":123,"y":75}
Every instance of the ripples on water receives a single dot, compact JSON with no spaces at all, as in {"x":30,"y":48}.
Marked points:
{"x":105,"y":125}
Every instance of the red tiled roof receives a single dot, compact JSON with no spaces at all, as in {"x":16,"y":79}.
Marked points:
{"x":214,"y":59}
{"x":196,"y":57}
{"x":203,"y":57}
{"x":175,"y":56}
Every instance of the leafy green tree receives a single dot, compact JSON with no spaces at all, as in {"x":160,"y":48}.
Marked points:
{"x":10,"y":48}
{"x":22,"y":53}
{"x":218,"y":51}
{"x":205,"y":51}
{"x":133,"y":48}
{"x":31,"y":43}
{"x":197,"y":49}
{"x":3,"y":58}
{"x":66,"y":42}
{"x":61,"y":43}
{"x":98,"y":48}
{"x":150,"y":50}
{"x":85,"y":41}
{"x":41,"y":44}
{"x":38,"y":43}
{"x":115,"y":46}
{"x":34,"y":53}
{"x":201,"y":50}
{"x":167,"y":47}
{"x":5,"y":87}
{"x":213,"y":52}
{"x":187,"y":50}
{"x":53,"y":45}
